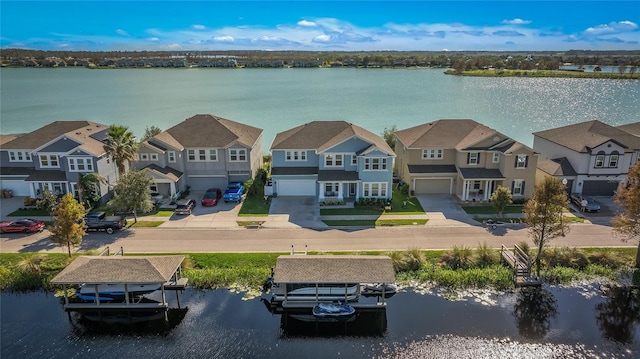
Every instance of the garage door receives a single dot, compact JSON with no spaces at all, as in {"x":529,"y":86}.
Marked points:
{"x":296,"y":188}
{"x":204,"y":183}
{"x":599,"y":188}
{"x":433,"y":186}
{"x":17,"y":187}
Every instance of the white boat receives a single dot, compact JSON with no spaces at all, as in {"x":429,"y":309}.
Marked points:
{"x":378,"y":289}
{"x":111,"y":292}
{"x":328,"y":310}
{"x":309,"y":292}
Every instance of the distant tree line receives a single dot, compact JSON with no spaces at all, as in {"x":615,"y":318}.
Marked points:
{"x":460,"y":60}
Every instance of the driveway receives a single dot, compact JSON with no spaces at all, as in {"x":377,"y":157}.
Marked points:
{"x":8,"y":205}
{"x":223,"y":215}
{"x":444,"y":210}
{"x":294,"y":212}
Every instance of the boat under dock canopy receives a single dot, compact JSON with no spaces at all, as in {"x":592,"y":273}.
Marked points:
{"x":127,"y":273}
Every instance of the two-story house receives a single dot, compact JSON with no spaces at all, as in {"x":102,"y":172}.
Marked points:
{"x":53,"y":156}
{"x":201,"y":152}
{"x":592,"y":156}
{"x":332,"y":161}
{"x":464,"y":158}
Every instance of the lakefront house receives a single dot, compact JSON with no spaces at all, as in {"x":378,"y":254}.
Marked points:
{"x":464,"y":158}
{"x":333,"y":161}
{"x":201,"y":152}
{"x":53,"y":156}
{"x":594,"y":158}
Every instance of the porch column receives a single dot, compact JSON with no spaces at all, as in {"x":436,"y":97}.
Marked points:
{"x":321,"y":191}
{"x":465,"y":190}
{"x":486,"y":190}
{"x":340,"y":191}
{"x":172,"y":188}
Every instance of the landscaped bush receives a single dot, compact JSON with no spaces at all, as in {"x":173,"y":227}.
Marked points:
{"x":485,"y":256}
{"x":607,"y":259}
{"x":565,"y":257}
{"x":458,"y":258}
{"x":404,"y":189}
{"x":408,"y":261}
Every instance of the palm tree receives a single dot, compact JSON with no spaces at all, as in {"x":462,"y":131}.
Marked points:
{"x":121,"y":145}
{"x":88,"y":183}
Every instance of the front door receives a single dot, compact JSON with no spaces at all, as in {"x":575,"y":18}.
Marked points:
{"x":352,"y":189}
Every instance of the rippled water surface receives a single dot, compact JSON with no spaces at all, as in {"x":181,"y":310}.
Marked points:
{"x":278,"y":99}
{"x":552,"y":323}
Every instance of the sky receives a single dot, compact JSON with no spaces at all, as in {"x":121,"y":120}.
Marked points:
{"x":507,"y":25}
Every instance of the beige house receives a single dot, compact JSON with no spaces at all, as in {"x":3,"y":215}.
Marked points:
{"x":464,"y":158}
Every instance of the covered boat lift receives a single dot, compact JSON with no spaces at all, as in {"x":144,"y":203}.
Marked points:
{"x":97,"y":270}
{"x":332,"y":270}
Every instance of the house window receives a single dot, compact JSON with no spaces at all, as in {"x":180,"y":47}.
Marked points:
{"x":153,"y":188}
{"x":80,"y":164}
{"x":496,"y":157}
{"x":296,"y":156}
{"x":172,"y":156}
{"x":49,"y":161}
{"x":375,"y":164}
{"x":237,"y":155}
{"x":202,"y":155}
{"x":144,"y":157}
{"x":375,"y":189}
{"x":518,"y":187}
{"x":473,"y":158}
{"x":432,"y":154}
{"x":521,"y":161}
{"x":476,"y":185}
{"x":331,"y":189}
{"x":599,"y":161}
{"x":333,"y":160}
{"x":613,"y":160}
{"x":354,"y":160}
{"x":154,"y":157}
{"x":19,"y":156}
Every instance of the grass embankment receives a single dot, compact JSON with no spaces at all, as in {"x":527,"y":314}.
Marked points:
{"x":458,"y":268}
{"x":545,"y":73}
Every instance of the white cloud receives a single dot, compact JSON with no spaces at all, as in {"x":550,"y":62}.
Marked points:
{"x":122,"y":32}
{"x":322,"y":38}
{"x":612,"y":28}
{"x":199,"y":27}
{"x":223,"y":38}
{"x":306,"y":23}
{"x":516,"y":22}
{"x":153,"y":39}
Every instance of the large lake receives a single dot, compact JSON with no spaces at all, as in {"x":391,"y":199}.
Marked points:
{"x":279,"y":99}
{"x":580,"y":322}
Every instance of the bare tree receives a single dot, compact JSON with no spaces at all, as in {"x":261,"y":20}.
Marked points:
{"x":626,"y":224}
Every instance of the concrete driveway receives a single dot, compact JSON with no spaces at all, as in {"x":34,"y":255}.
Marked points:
{"x":444,"y":210}
{"x":224,"y":215}
{"x":294,"y":212}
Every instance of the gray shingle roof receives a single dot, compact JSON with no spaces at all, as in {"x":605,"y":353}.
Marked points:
{"x":209,"y":131}
{"x":288,"y":171}
{"x":47,"y":175}
{"x":168,"y":172}
{"x":337,"y":175}
{"x":117,"y":269}
{"x":481,"y":173}
{"x":557,"y":167}
{"x":584,"y":136}
{"x":334,"y":269}
{"x":632,"y":128}
{"x":415,"y":169}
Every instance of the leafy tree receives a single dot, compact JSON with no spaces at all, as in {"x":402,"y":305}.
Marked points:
{"x":543,"y":213}
{"x":150,"y":132}
{"x":626,"y":224}
{"x":389,"y":135}
{"x":132,"y":193}
{"x":47,"y":202}
{"x":68,"y":227}
{"x":88,"y":188}
{"x":501,"y":198}
{"x":121,"y":145}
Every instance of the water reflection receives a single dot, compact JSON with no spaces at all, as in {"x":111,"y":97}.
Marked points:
{"x":365,"y":323}
{"x":619,"y":314}
{"x":123,"y":322}
{"x":533,"y":310}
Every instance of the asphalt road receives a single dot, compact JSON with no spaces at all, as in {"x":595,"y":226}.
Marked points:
{"x":166,"y":240}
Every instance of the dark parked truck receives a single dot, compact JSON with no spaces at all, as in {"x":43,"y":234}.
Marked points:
{"x":99,"y":221}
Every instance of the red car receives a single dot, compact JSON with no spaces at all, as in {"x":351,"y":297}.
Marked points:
{"x":211,"y":197}
{"x":22,"y":225}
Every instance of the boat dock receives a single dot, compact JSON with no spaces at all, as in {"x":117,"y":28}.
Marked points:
{"x":521,"y":263}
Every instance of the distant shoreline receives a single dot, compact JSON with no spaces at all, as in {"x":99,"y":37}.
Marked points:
{"x":546,"y":73}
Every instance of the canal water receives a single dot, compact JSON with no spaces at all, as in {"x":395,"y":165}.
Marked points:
{"x":589,"y":321}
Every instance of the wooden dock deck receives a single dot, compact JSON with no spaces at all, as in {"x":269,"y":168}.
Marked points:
{"x":521,"y":264}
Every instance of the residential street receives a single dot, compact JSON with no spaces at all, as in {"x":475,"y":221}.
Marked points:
{"x":169,"y":240}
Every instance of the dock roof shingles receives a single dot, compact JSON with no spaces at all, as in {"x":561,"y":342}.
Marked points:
{"x":334,"y":269}
{"x":115,"y":269}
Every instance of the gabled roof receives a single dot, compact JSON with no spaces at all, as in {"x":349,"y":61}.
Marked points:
{"x":323,"y":135}
{"x":557,"y":167}
{"x":118,"y":269}
{"x":632,"y":128}
{"x":8,"y":138}
{"x":167,"y":172}
{"x":582,"y":137}
{"x":209,"y":131}
{"x":459,"y":134}
{"x":334,"y":269}
{"x":83,"y":132}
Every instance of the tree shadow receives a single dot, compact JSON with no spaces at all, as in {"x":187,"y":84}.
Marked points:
{"x":91,"y":241}
{"x":619,"y":314}
{"x":533,"y":311}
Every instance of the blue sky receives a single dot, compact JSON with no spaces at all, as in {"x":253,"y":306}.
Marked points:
{"x":321,"y":25}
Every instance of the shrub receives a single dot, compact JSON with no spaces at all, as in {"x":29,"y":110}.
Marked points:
{"x":404,"y":189}
{"x":636,"y":277}
{"x":565,"y":257}
{"x":485,"y":256}
{"x":606,"y":259}
{"x":458,"y":258}
{"x":410,"y":260}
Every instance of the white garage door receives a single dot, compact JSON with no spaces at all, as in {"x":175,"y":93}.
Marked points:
{"x":204,"y":183}
{"x":433,"y":186}
{"x":17,"y":187}
{"x":296,"y":188}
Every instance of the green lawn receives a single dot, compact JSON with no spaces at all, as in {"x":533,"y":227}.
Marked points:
{"x":146,"y":224}
{"x":28,"y":212}
{"x":398,"y":205}
{"x":369,"y":211}
{"x":491,"y":209}
{"x":255,"y":205}
{"x":373,"y":223}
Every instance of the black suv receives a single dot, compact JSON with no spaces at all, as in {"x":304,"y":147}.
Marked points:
{"x":185,"y":206}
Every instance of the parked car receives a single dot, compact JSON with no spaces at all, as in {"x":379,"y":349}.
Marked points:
{"x":25,"y":225}
{"x":211,"y":197}
{"x":185,"y":206}
{"x":99,"y":221}
{"x":490,"y":223}
{"x":576,"y":198}
{"x":590,"y":205}
{"x":234,"y":192}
